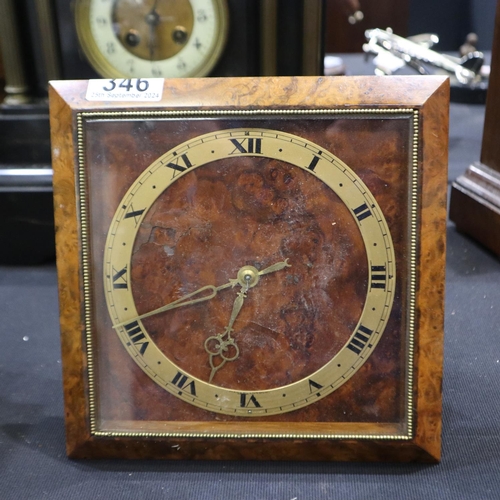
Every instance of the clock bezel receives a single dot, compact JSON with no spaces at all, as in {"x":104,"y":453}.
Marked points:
{"x":330,"y":170}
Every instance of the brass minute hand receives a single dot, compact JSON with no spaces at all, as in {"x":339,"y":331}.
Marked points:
{"x":243,"y":279}
{"x":183,"y":301}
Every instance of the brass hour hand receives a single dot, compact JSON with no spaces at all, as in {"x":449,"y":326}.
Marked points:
{"x":222,"y":348}
{"x":223,"y":345}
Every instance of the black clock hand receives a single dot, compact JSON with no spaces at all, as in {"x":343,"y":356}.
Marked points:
{"x":153,"y":20}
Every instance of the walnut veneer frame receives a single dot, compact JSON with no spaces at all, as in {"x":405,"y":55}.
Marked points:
{"x":424,"y":100}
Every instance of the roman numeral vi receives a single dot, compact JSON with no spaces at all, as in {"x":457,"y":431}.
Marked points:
{"x":246,"y":401}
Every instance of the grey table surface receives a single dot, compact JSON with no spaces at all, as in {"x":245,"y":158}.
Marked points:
{"x":33,"y":464}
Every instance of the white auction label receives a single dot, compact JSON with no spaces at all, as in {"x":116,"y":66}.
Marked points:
{"x":132,"y":89}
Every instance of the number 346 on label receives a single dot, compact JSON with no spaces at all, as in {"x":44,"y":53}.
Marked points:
{"x":132,"y":89}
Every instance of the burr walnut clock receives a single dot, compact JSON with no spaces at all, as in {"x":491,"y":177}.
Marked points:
{"x":253,"y":268}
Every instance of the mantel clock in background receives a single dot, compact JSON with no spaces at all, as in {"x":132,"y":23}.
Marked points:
{"x":44,"y":40}
{"x":190,"y":38}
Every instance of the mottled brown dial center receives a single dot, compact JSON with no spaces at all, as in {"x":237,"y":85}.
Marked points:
{"x":286,"y":242}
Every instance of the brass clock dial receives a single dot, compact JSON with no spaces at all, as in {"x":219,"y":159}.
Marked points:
{"x":249,"y":272}
{"x":152,"y":38}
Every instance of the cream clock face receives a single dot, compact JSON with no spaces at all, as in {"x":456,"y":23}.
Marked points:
{"x":152,"y":38}
{"x":223,"y":285}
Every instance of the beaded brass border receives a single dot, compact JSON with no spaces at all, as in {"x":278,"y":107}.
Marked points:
{"x":86,"y":276}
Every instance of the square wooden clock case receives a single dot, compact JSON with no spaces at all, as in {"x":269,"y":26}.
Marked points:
{"x":253,"y":268}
